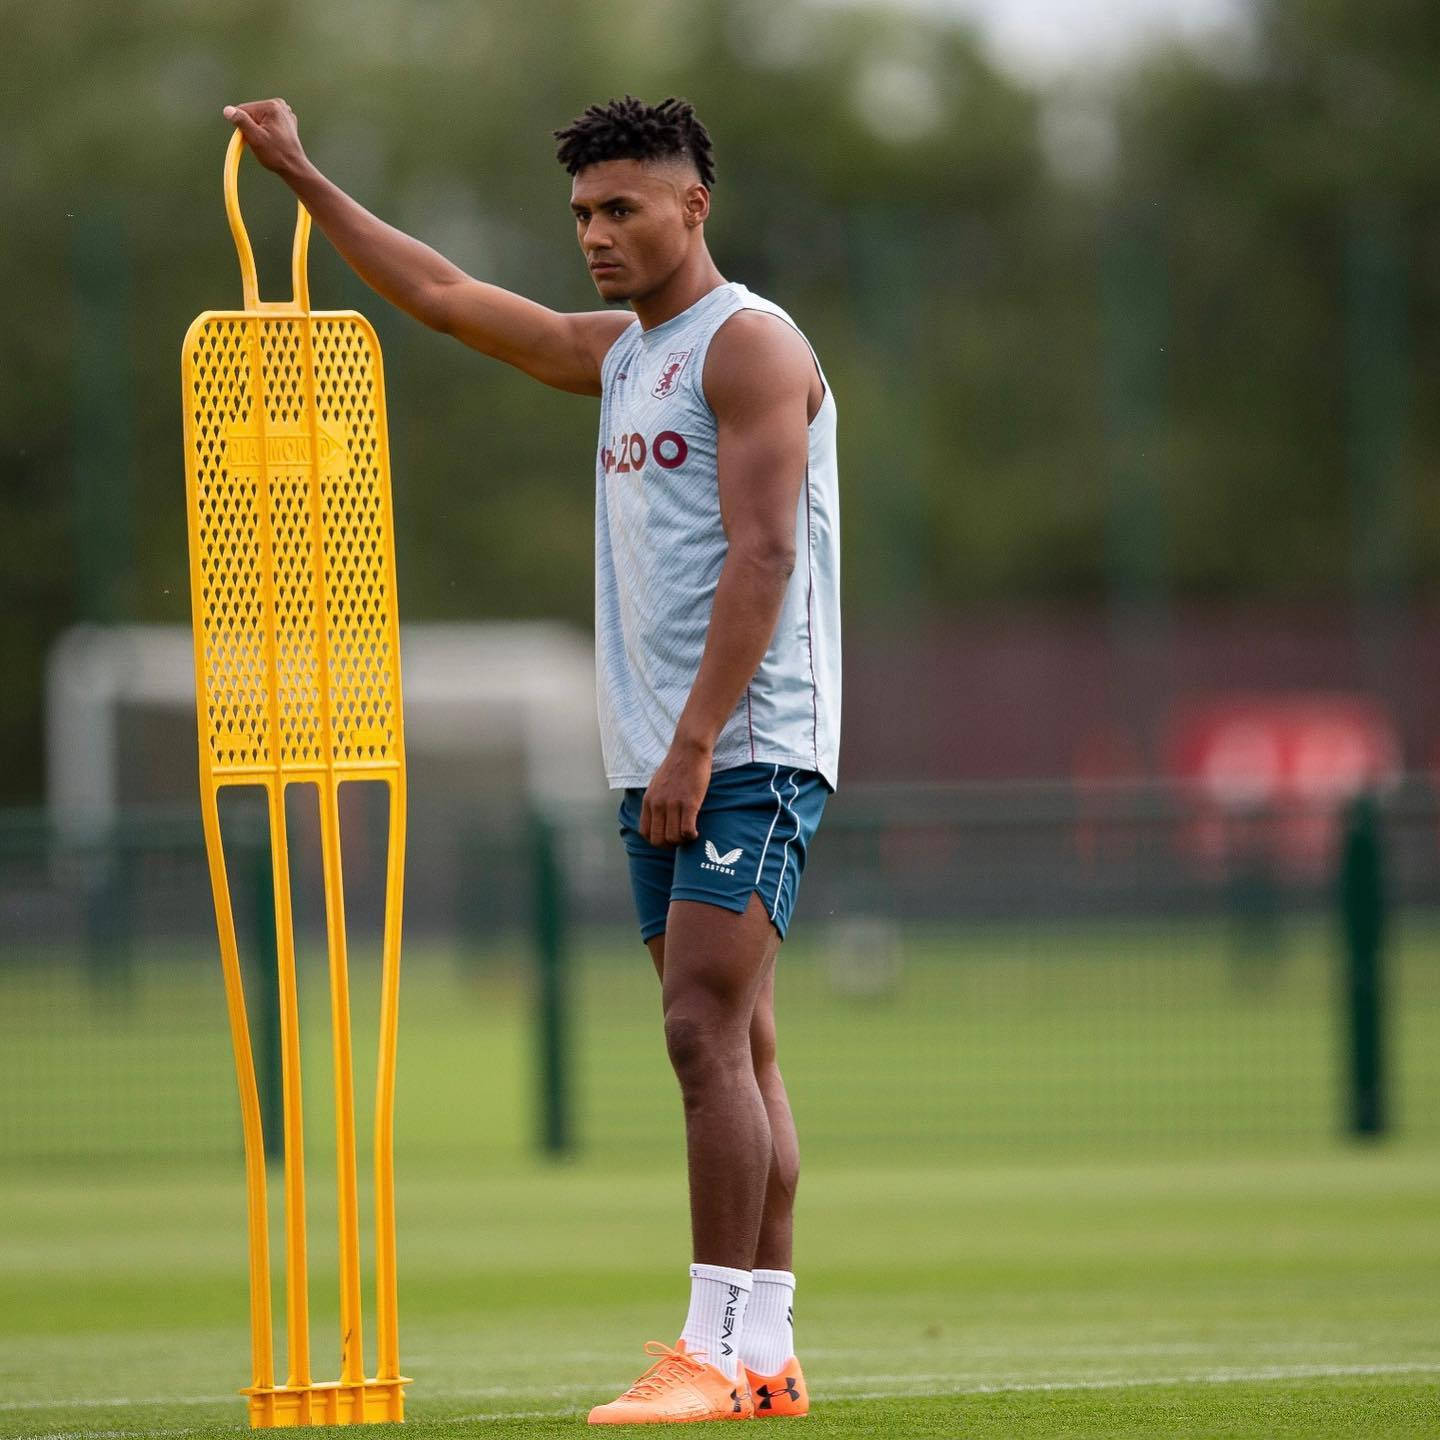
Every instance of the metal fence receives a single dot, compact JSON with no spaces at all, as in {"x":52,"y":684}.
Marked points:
{"x":1005,"y":970}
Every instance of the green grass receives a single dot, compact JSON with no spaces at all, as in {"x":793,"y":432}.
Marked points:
{"x":1290,"y":1295}
{"x":991,"y":1042}
{"x":1079,"y":1181}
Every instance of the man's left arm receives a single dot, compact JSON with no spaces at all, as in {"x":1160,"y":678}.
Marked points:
{"x":757,"y":379}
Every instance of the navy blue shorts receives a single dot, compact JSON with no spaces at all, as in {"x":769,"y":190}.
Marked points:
{"x":755,"y":824}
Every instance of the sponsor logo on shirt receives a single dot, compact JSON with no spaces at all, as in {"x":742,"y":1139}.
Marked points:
{"x":627,"y":454}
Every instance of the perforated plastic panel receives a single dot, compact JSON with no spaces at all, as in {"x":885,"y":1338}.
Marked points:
{"x":292,"y":542}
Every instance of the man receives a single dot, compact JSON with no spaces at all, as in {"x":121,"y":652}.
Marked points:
{"x":717,"y":656}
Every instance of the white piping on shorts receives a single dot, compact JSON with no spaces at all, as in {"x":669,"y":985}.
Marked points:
{"x":765,"y":849}
{"x":785,"y":855}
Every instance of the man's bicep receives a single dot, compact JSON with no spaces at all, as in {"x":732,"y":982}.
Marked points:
{"x":558,"y":349}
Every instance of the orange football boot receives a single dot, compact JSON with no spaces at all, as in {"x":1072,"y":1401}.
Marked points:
{"x":676,"y":1389}
{"x":782,"y":1394}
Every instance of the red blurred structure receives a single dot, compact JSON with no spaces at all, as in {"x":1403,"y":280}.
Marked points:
{"x":1273,"y":773}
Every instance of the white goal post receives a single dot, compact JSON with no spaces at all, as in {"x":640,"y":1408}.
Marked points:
{"x":489,"y":707}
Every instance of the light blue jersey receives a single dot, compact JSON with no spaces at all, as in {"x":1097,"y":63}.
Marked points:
{"x":659,"y":549}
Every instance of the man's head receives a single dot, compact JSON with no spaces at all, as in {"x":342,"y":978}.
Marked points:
{"x":640,"y":192}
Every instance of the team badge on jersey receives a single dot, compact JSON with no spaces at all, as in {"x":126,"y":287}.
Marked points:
{"x":670,"y":375}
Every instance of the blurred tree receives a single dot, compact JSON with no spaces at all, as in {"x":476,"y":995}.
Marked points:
{"x":1275,"y":175}
{"x":878,"y":177}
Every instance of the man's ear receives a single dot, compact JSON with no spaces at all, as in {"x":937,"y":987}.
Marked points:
{"x":696,"y":205}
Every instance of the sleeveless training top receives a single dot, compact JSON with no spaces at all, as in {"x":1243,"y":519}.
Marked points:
{"x":659,"y":548}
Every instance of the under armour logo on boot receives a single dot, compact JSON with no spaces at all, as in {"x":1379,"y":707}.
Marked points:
{"x":767,"y":1394}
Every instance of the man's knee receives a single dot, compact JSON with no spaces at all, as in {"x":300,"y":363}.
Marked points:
{"x":685,"y":1042}
{"x":701,"y":1042}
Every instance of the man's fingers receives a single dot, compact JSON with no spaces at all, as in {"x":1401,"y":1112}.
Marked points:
{"x":666,"y":821}
{"x":256,"y":113}
{"x":243,"y":121}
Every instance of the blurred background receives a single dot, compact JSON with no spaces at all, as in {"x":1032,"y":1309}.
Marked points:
{"x":1133,"y":317}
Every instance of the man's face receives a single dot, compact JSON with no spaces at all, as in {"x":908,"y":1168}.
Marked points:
{"x":635,"y":220}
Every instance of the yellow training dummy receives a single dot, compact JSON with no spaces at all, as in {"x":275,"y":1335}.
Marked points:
{"x":297,"y":682}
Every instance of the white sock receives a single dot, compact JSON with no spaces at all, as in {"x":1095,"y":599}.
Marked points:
{"x":717,"y":1307}
{"x":769,"y":1337}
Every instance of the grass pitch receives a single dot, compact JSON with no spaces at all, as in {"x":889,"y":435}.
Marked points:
{"x":1292,"y":1295}
{"x":1069,"y":1185}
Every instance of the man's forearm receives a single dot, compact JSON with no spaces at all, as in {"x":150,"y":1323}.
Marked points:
{"x":748,"y":597}
{"x":407,"y":272}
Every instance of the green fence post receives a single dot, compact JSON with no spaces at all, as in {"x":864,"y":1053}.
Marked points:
{"x":102,"y":432}
{"x":551,"y":1028}
{"x":263,"y":990}
{"x":1362,"y":921}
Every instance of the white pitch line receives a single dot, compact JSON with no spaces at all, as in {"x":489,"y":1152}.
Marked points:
{"x":489,"y":1416}
{"x":98,"y":1434}
{"x":1006,"y":1388}
{"x":1215,"y":1377}
{"x":102,"y":1402}
{"x":839,"y":1390}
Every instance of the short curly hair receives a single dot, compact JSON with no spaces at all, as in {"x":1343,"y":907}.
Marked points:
{"x":629,"y":129}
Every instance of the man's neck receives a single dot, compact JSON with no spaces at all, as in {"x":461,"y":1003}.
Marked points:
{"x":691,"y":282}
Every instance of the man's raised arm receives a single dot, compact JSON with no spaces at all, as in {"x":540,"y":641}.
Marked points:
{"x":558,"y":349}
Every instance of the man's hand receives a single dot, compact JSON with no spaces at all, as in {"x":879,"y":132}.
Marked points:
{"x":271,"y":131}
{"x":670,"y":810}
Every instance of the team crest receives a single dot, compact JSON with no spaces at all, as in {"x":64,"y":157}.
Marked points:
{"x":670,"y":375}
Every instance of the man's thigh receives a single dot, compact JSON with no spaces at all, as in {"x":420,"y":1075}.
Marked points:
{"x":762,"y":1019}
{"x":715,"y":954}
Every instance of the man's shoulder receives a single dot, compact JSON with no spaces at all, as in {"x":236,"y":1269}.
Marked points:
{"x":756,"y":351}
